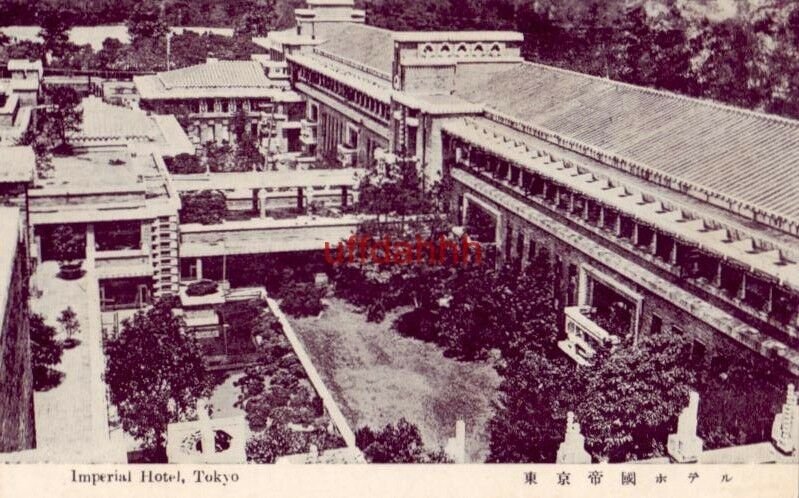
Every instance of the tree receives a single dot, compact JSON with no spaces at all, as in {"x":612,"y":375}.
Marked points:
{"x":530,"y":413}
{"x":146,"y":22}
{"x":400,"y":443}
{"x":155,"y":374}
{"x":69,"y":323}
{"x":46,"y":351}
{"x":41,"y":143}
{"x":64,"y":116}
{"x":55,"y":21}
{"x":68,"y":243}
{"x":633,"y":397}
{"x":258,"y":19}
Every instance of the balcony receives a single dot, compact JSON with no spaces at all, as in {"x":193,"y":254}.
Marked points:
{"x":346,"y":155}
{"x":584,"y":337}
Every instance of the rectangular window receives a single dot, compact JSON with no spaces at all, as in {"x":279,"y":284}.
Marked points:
{"x":657,"y":325}
{"x":698,"y":351}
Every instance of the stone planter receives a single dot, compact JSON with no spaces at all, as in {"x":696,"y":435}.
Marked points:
{"x":70,"y":270}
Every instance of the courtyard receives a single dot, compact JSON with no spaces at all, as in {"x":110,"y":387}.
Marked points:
{"x":378,"y":376}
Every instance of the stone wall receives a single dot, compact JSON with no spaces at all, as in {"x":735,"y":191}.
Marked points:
{"x":17,"y":429}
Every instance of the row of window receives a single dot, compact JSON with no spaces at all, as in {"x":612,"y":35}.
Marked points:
{"x":686,"y":259}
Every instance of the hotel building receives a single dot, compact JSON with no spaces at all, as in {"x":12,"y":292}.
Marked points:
{"x":659,"y":212}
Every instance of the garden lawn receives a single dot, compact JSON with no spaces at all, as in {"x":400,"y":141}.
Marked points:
{"x":378,"y":376}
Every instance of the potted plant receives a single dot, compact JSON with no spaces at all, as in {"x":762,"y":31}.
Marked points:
{"x":68,"y":246}
{"x":71,"y":326}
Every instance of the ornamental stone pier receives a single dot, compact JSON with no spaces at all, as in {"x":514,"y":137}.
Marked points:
{"x":685,"y":446}
{"x":785,"y":430}
{"x":572,"y":449}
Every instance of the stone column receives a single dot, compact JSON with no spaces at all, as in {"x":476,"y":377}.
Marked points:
{"x":456,"y":446}
{"x":90,"y":243}
{"x":199,"y":268}
{"x":685,"y":446}
{"x":785,"y":429}
{"x":262,"y":202}
{"x":572,"y":449}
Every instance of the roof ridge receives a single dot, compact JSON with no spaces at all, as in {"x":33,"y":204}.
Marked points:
{"x":673,"y":95}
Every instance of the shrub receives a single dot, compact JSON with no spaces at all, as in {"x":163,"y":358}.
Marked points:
{"x":419,"y":323}
{"x":68,"y":243}
{"x":207,"y":207}
{"x":201,"y":288}
{"x":302,"y":299}
{"x":184,"y":164}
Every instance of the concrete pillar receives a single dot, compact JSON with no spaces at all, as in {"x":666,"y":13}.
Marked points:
{"x":673,"y":253}
{"x":262,"y":202}
{"x":90,"y":243}
{"x":582,"y":288}
{"x":572,"y":449}
{"x":685,"y":446}
{"x":199,"y":268}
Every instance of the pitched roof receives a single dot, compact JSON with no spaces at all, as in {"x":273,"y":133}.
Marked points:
{"x":216,"y":74}
{"x":748,"y":157}
{"x":367,"y":45}
{"x":211,"y":79}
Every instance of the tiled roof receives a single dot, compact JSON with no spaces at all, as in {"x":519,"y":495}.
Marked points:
{"x":742,"y":156}
{"x":211,"y":79}
{"x":216,"y":74}
{"x":367,"y":45}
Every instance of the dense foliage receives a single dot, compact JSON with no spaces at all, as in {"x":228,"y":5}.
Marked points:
{"x":155,"y":374}
{"x":46,"y":351}
{"x":69,"y":243}
{"x":300,"y":299}
{"x":400,"y":443}
{"x":206,"y":206}
{"x":275,"y":394}
{"x":184,"y":164}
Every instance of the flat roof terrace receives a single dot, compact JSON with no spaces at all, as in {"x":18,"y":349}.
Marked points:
{"x":98,"y":171}
{"x":102,"y":186}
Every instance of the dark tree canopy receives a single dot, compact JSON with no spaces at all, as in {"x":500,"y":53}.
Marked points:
{"x":46,"y":350}
{"x":155,"y":374}
{"x":400,"y":443}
